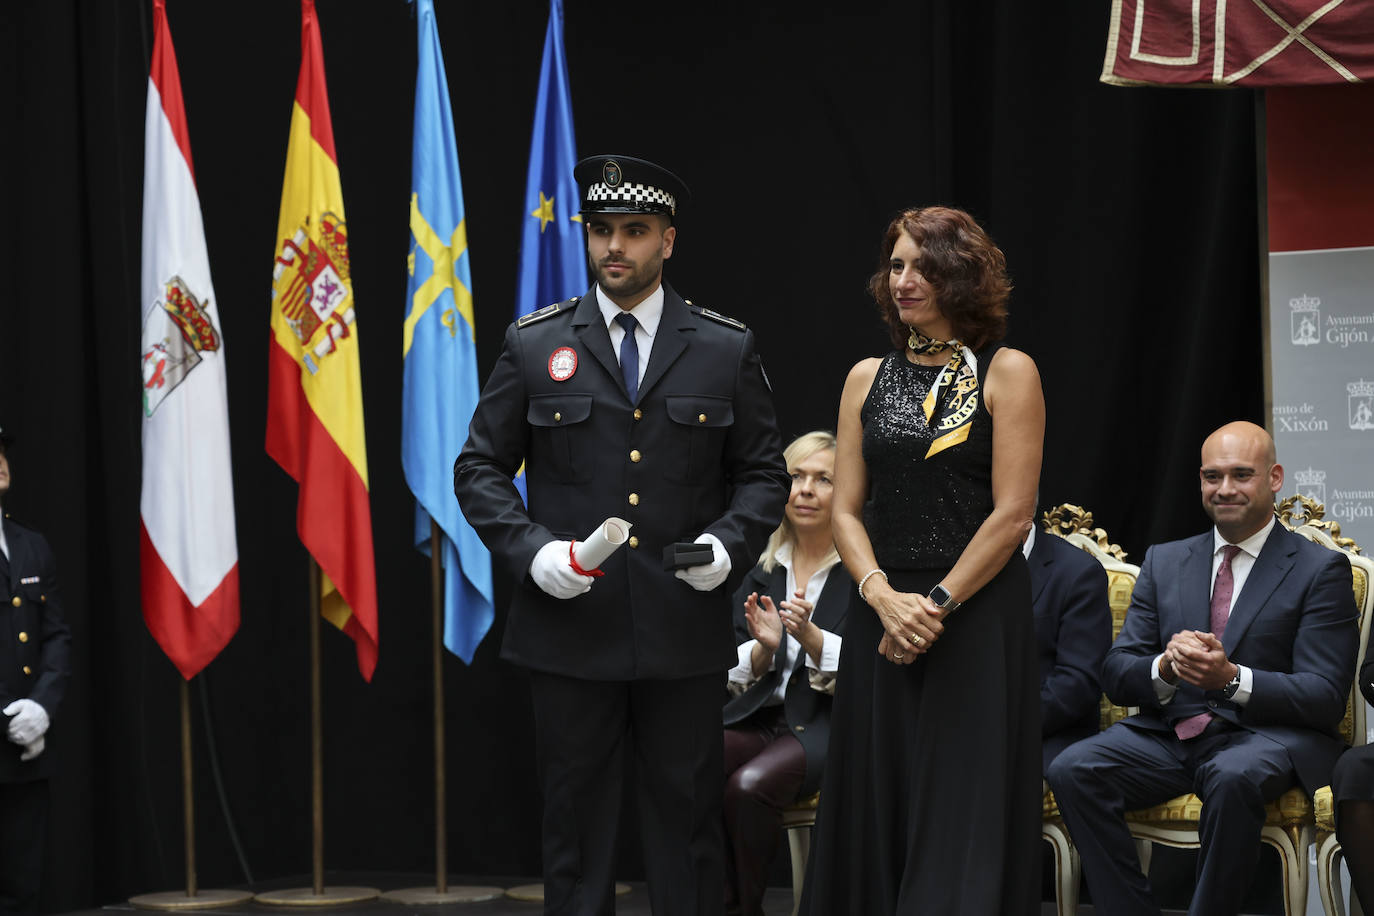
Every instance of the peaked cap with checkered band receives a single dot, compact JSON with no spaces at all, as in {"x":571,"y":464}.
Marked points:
{"x":624,"y":184}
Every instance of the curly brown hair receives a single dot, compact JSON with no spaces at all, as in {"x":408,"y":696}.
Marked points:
{"x":965,"y":269}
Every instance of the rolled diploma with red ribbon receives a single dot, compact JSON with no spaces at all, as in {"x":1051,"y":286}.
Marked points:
{"x":589,"y":554}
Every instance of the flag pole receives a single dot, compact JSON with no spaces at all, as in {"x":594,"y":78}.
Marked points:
{"x":441,"y":892}
{"x":318,"y":894}
{"x":194,"y":898}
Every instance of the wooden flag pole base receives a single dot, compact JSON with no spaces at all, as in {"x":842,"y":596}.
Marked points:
{"x":192,"y":898}
{"x":413,"y":896}
{"x":318,"y":895}
{"x":534,"y":893}
{"x":440,"y":892}
{"x":179,"y":900}
{"x":325,"y":896}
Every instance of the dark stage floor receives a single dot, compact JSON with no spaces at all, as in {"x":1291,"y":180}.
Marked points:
{"x":778,"y":902}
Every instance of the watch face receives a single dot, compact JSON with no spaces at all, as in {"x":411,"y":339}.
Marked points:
{"x":940,"y":595}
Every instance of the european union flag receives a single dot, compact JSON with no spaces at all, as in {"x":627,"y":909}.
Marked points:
{"x":553,"y":261}
{"x":440,"y":374}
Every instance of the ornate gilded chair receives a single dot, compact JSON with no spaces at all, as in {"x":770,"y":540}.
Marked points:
{"x":1075,"y":524}
{"x":1355,"y":724}
{"x":797,"y":820}
{"x":1290,"y":820}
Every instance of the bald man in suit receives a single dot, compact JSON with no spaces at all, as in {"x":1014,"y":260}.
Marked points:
{"x":1240,"y":692}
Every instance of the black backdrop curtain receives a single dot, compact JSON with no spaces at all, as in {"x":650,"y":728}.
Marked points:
{"x":1128,"y":217}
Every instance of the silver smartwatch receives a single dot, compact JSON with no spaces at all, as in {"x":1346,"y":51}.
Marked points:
{"x":942,"y":598}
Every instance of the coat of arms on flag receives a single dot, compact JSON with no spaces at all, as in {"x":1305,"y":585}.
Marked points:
{"x":310,"y":279}
{"x":177,"y":328}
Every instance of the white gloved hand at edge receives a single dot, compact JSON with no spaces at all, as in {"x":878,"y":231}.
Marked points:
{"x":707,"y":576}
{"x":32,"y":749}
{"x":30,"y":721}
{"x":551,"y":571}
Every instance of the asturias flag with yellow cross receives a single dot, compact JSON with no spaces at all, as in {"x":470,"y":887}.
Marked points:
{"x":440,"y":352}
{"x":314,"y":385}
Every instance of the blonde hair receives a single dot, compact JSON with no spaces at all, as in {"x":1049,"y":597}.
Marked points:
{"x":797,"y":451}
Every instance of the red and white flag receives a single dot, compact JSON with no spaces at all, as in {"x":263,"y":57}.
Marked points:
{"x":188,"y":555}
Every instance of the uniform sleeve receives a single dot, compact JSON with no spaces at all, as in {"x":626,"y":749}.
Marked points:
{"x":54,"y":659}
{"x":754,"y":469}
{"x":498,"y":439}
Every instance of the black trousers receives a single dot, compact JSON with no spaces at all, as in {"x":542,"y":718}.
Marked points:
{"x":1234,"y":771}
{"x":584,"y":732}
{"x":23,"y":828}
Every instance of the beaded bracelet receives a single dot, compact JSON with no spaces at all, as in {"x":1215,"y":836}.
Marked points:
{"x":870,"y":574}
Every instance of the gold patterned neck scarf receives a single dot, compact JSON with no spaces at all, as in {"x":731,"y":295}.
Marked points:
{"x":951,"y":402}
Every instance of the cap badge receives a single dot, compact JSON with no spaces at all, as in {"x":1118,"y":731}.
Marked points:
{"x":611,"y":174}
{"x":562,"y":364}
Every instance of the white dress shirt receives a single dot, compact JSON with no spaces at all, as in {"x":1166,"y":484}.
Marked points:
{"x":647,"y":313}
{"x":4,"y":544}
{"x":1241,"y":564}
{"x":743,"y":672}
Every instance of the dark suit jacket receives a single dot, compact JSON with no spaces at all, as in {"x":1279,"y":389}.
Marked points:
{"x":1293,"y":625}
{"x":807,"y":710}
{"x":697,"y":452}
{"x":34,"y":641}
{"x":1073,"y":631}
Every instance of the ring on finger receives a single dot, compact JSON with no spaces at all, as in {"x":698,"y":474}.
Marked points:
{"x":918,"y":640}
{"x":897,"y":656}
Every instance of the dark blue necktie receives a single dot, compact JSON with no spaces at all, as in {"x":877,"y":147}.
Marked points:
{"x":629,"y":355}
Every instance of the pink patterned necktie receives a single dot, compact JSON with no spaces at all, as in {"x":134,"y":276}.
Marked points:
{"x":1192,"y":726}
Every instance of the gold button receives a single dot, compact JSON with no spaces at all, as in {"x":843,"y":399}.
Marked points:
{"x":16,"y":601}
{"x":634,"y":541}
{"x":634,"y":456}
{"x":634,"y":499}
{"x":558,"y":417}
{"x":28,"y":670}
{"x":801,"y":728}
{"x":23,"y":637}
{"x":639,"y":414}
{"x":701,"y":418}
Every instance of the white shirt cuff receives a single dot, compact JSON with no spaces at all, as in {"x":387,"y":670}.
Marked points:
{"x":1247,"y":686}
{"x":1164,"y":691}
{"x":743,"y":672}
{"x":830,"y":654}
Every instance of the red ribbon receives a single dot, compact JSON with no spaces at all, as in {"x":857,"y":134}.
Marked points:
{"x":572,"y":561}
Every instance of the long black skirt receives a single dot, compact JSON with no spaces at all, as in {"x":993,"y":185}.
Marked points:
{"x":931,"y":796}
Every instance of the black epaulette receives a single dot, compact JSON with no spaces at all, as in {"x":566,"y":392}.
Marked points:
{"x":547,"y":311}
{"x":716,"y":316}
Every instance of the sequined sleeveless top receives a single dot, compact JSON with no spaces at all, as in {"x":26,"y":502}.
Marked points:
{"x":921,"y":512}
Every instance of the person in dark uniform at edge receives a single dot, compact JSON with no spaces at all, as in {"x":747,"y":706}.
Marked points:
{"x":632,"y":402}
{"x":34,"y":669}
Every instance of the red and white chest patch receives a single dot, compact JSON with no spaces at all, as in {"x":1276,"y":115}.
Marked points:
{"x":562,"y":364}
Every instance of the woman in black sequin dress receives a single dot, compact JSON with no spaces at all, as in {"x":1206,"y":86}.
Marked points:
{"x":931,"y":798}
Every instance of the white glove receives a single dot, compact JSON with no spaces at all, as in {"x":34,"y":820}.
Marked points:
{"x":29,"y":723}
{"x":32,"y":749}
{"x":707,"y":576}
{"x":551,"y":570}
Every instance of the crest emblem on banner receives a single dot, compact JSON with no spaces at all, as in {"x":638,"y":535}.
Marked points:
{"x":311,"y":281}
{"x":176,"y":330}
{"x":1305,"y":320}
{"x":1312,"y":484}
{"x":1361,"y":404}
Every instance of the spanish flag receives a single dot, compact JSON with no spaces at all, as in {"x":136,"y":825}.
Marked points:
{"x":314,"y":387}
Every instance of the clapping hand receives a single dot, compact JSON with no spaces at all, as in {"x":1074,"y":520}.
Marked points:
{"x":765,"y":624}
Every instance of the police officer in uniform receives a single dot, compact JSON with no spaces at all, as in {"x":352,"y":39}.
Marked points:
{"x":632,"y":402}
{"x":34,"y":670}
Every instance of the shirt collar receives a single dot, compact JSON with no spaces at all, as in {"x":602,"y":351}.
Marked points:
{"x":647,"y":313}
{"x":1251,"y":545}
{"x":783,"y":556}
